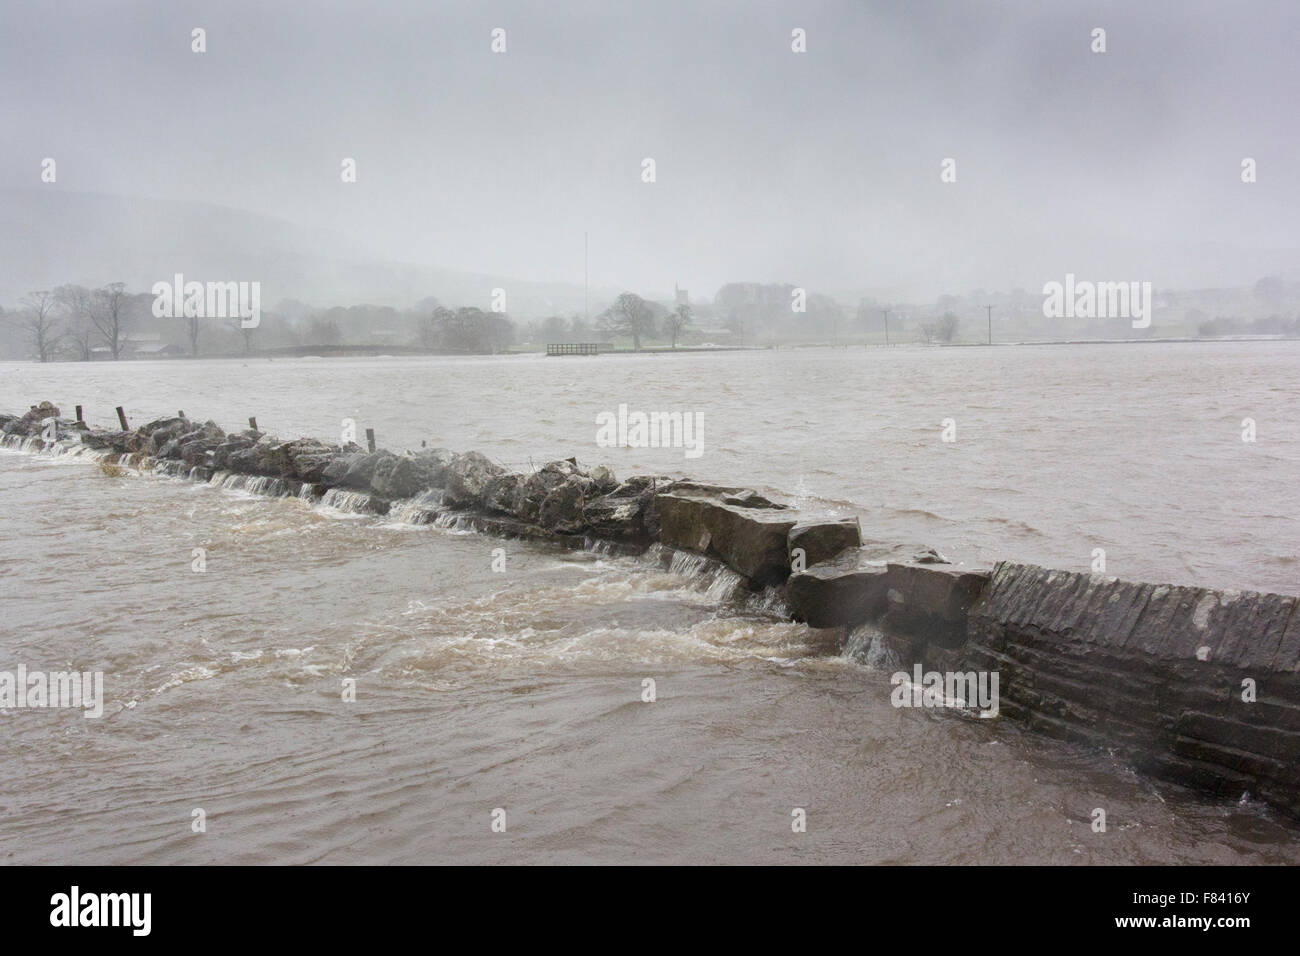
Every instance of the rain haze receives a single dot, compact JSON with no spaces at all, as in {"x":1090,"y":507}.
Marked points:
{"x":820,"y":169}
{"x":681,"y":433}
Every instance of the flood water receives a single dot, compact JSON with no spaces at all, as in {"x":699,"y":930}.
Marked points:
{"x":522,"y":690}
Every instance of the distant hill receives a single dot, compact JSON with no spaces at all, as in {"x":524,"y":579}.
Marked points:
{"x":52,"y":236}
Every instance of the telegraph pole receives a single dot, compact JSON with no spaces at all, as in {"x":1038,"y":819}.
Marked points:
{"x":885,"y":313}
{"x":989,"y":308}
{"x":586,"y":312}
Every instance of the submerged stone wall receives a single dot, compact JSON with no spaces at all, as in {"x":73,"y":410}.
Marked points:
{"x":1196,"y":685}
{"x":559,"y":501}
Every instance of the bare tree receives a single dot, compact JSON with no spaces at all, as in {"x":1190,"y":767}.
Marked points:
{"x":629,"y":315}
{"x":943,"y":329}
{"x":676,"y":322}
{"x":111,"y":316}
{"x":41,"y":321}
{"x":76,"y":304}
{"x":236,"y":324}
{"x":193,"y":326}
{"x":946,"y":327}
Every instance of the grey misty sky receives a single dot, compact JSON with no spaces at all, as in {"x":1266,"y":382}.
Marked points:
{"x":819,"y":168}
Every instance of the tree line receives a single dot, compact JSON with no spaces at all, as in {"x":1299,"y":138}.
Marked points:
{"x":80,"y":323}
{"x":77,"y":323}
{"x":74,"y":322}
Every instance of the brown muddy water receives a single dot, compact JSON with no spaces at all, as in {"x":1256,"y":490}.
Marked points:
{"x":522,"y":690}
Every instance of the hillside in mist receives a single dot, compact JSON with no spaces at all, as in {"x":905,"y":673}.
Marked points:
{"x":51,"y":236}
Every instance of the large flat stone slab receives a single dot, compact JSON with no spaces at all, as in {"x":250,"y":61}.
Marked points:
{"x":887,"y":585}
{"x":735,"y":525}
{"x":930,"y":602}
{"x":843,"y":592}
{"x":823,"y":539}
